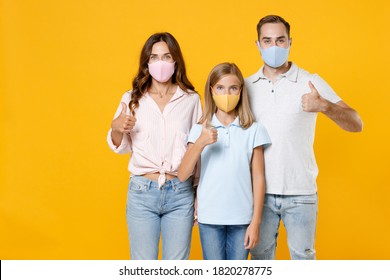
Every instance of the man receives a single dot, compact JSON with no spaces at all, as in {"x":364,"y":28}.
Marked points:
{"x":286,"y":100}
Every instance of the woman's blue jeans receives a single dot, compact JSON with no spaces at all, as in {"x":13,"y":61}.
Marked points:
{"x":168,"y":210}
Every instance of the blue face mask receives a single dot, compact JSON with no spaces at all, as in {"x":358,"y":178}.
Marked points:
{"x":274,"y":56}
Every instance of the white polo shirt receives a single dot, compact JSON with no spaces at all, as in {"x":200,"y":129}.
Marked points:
{"x":290,"y":165}
{"x":225,"y":194}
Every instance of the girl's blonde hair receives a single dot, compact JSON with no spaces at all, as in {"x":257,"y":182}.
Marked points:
{"x":242,"y":109}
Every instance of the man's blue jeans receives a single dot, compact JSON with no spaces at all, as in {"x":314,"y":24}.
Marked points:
{"x":168,"y":210}
{"x":299,"y":216}
{"x":223,"y":242}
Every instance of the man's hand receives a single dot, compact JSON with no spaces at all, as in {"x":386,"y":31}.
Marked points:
{"x":312,"y":101}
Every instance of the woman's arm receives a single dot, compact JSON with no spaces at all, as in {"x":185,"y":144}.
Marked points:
{"x":258,"y":187}
{"x":189,"y":161}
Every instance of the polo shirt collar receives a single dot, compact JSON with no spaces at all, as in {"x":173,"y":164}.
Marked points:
{"x":216,"y":123}
{"x":291,"y":74}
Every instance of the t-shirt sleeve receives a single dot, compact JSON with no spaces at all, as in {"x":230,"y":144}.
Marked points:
{"x":195,"y":132}
{"x":324,"y":89}
{"x":261,"y":136}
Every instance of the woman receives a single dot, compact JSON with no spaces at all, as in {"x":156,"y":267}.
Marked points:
{"x":153,"y":122}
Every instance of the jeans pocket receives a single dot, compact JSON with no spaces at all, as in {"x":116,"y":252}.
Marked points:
{"x":137,"y":187}
{"x":186,"y":186}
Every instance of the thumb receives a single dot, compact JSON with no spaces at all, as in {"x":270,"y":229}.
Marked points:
{"x":124,"y":108}
{"x":313,"y":88}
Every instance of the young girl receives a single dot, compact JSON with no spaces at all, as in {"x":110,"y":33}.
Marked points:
{"x":228,"y":144}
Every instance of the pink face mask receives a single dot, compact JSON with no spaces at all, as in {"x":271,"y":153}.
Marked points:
{"x":161,"y":71}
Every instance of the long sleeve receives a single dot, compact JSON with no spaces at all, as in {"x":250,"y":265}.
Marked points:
{"x":125,"y":146}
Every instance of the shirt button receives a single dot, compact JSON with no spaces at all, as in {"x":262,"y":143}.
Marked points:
{"x":272,"y":91}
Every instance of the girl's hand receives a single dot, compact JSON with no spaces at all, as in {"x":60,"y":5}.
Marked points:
{"x":124,"y":123}
{"x":208,"y":136}
{"x":252,"y":236}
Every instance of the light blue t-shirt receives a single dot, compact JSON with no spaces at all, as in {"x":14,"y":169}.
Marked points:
{"x":225,"y":194}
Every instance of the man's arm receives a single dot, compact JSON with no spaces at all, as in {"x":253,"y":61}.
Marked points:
{"x":346,"y":117}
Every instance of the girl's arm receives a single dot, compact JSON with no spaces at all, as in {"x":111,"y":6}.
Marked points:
{"x":192,"y":155}
{"x":258,"y":185}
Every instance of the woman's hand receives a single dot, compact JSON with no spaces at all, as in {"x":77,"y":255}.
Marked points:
{"x":124,"y":123}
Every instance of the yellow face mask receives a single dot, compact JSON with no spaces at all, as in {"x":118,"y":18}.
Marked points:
{"x":226,"y":102}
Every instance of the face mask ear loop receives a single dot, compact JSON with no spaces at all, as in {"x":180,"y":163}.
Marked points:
{"x":212,"y":94}
{"x":212,"y":91}
{"x":289,"y":47}
{"x":258,"y":45}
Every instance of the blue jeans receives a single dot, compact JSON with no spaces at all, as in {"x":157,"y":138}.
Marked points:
{"x":223,"y":242}
{"x":299,"y":216}
{"x":168,"y":210}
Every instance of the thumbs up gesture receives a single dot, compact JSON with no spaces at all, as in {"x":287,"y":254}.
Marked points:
{"x":124,"y":123}
{"x":208,"y":136}
{"x":312,"y":101}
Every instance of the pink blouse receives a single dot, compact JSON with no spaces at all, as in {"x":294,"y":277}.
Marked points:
{"x":158,"y":140}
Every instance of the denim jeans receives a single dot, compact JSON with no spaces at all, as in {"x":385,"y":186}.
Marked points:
{"x":168,"y":210}
{"x":223,"y":242}
{"x":299,"y":216}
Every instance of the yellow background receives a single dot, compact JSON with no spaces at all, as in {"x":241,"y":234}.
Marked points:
{"x":65,"y":64}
